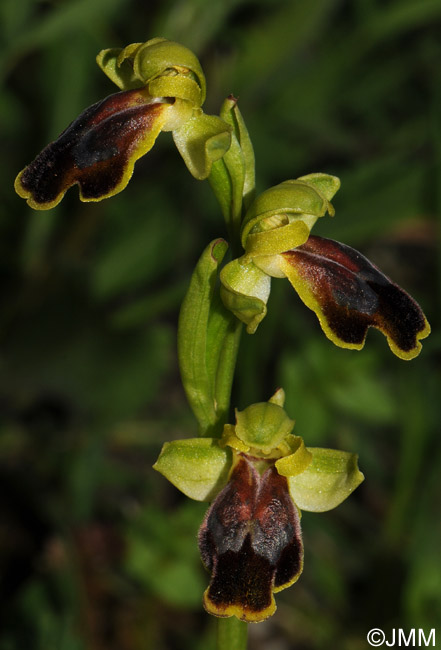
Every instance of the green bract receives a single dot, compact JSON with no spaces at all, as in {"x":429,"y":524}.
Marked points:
{"x":232,"y":177}
{"x":208,"y":337}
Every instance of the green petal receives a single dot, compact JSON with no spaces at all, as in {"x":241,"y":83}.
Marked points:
{"x":117,"y":65}
{"x":244,"y":291}
{"x":296,"y":462}
{"x":179,"y":86}
{"x":329,"y":479}
{"x":196,"y":466}
{"x":278,"y":240}
{"x":201,"y":141}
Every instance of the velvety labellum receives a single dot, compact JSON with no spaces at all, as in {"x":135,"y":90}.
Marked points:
{"x":349,"y":294}
{"x":251,"y":542}
{"x":97,"y":151}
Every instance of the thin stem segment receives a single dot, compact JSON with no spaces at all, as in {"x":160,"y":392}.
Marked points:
{"x":232,"y":634}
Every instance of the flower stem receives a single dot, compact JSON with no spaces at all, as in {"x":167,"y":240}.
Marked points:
{"x":232,"y":634}
{"x":225,"y":371}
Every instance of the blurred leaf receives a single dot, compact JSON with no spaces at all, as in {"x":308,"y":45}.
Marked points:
{"x":136,"y":249}
{"x":63,"y":20}
{"x":163,"y":556}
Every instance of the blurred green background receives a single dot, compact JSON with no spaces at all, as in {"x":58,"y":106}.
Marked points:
{"x":96,"y":551}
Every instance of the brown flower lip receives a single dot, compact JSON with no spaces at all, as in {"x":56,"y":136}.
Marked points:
{"x":349,"y":294}
{"x":251,"y":542}
{"x":97,"y":151}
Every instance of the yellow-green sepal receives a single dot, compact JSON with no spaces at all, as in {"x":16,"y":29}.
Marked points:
{"x":326,"y":184}
{"x":327,"y":481}
{"x":244,"y":291}
{"x":198,"y":467}
{"x":201,"y":141}
{"x":263,"y":426}
{"x":160,"y":56}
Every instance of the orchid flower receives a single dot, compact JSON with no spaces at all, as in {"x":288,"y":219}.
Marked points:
{"x":345,"y":290}
{"x":162,"y":89}
{"x":258,"y":477}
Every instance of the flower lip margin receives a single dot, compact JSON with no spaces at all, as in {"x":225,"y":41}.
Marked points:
{"x":97,"y":151}
{"x":349,"y":295}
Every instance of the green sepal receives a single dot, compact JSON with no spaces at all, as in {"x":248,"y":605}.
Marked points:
{"x":263,"y":426}
{"x":290,"y":201}
{"x":297,"y":457}
{"x":326,"y":184}
{"x":119,"y":68}
{"x":197,"y":466}
{"x":207,"y":335}
{"x":201,"y":141}
{"x":141,"y":64}
{"x":327,"y":481}
{"x":244,"y":291}
{"x":160,"y":56}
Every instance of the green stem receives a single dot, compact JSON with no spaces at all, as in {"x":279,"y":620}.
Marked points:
{"x":232,"y":634}
{"x":226,"y":369}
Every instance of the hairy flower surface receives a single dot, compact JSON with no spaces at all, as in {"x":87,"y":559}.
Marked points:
{"x":258,"y":477}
